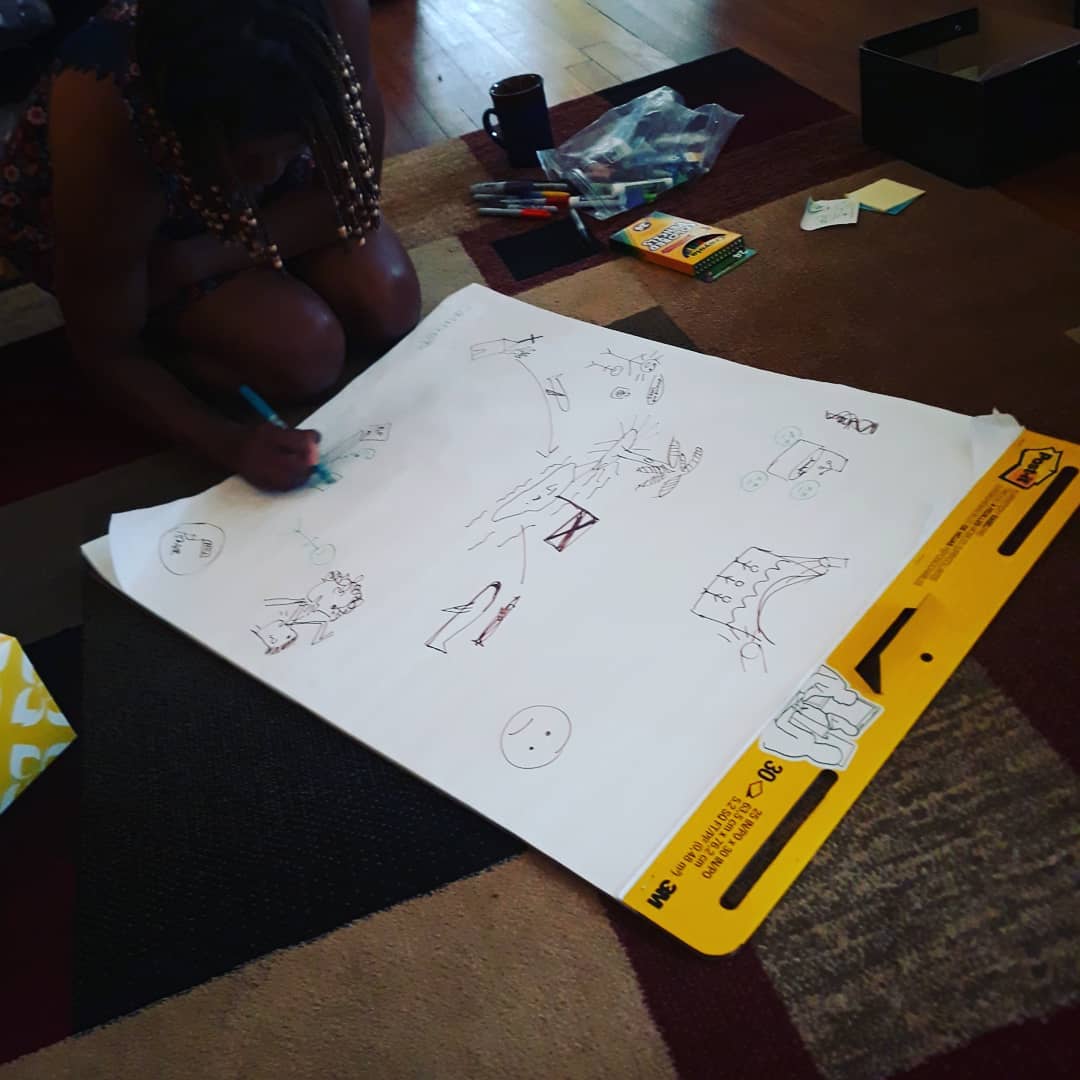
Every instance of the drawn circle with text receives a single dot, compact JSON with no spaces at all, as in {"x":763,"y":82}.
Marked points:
{"x":754,"y":481}
{"x":786,"y":436}
{"x":535,"y":736}
{"x":190,"y":547}
{"x":805,"y":489}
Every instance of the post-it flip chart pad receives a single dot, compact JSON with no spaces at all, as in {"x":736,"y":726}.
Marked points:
{"x":33,"y":731}
{"x":569,"y":576}
{"x":886,"y":196}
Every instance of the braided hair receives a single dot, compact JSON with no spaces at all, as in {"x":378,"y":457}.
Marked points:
{"x":217,"y":74}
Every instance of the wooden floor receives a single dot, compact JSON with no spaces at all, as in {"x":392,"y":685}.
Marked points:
{"x":435,"y":59}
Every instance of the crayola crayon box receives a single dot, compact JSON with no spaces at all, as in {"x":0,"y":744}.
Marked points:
{"x":703,"y":251}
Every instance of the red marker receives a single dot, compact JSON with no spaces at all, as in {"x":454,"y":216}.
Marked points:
{"x":550,"y":198}
{"x":523,"y":211}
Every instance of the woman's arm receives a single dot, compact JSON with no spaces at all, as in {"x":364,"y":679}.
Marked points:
{"x":106,"y":208}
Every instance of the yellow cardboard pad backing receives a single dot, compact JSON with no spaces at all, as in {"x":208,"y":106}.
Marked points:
{"x":737,"y":854}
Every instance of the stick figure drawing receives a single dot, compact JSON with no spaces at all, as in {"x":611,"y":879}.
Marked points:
{"x":330,"y":599}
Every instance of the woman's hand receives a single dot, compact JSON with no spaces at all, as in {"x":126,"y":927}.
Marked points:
{"x":273,"y":458}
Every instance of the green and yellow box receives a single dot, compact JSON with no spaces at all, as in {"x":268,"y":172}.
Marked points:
{"x":33,"y":731}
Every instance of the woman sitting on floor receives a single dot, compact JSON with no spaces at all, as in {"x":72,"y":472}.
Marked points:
{"x":207,"y":174}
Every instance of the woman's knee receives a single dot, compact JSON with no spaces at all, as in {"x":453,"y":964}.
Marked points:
{"x":398,"y":307}
{"x":268,"y":330}
{"x":307,"y":357}
{"x":377,"y":295}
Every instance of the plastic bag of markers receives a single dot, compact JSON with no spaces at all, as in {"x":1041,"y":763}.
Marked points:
{"x":652,"y":137}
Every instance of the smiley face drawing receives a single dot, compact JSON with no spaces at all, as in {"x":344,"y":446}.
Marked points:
{"x":535,"y":736}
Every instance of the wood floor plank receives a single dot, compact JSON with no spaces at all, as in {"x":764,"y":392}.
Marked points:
{"x":578,"y":22}
{"x":405,"y":110}
{"x":538,"y":48}
{"x":521,"y":32}
{"x":621,"y":64}
{"x":483,"y":56}
{"x":492,"y":53}
{"x":452,"y":98}
{"x":404,"y":58}
{"x":409,"y":123}
{"x":397,"y":32}
{"x":593,"y":75}
{"x":641,"y":50}
{"x":655,"y":30}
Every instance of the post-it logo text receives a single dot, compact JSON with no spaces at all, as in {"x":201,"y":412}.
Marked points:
{"x":1033,"y":468}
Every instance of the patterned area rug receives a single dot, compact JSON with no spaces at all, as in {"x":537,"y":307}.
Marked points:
{"x":213,"y":884}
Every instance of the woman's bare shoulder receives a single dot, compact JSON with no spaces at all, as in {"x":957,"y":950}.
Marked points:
{"x":91,"y":131}
{"x":100,"y":174}
{"x":85,"y":100}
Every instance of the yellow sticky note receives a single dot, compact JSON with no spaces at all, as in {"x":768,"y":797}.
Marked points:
{"x":33,"y":731}
{"x":883,"y":195}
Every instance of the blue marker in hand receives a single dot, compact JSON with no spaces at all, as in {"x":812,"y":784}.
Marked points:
{"x":268,"y":414}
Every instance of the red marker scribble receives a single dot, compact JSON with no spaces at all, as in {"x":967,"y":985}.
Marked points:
{"x":496,"y":622}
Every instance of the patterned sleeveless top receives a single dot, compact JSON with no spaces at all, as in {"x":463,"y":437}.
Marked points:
{"x":105,"y":46}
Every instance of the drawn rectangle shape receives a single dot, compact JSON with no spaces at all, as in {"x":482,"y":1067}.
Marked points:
{"x":571,"y":529}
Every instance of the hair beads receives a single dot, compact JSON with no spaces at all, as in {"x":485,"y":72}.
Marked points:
{"x":333,"y":122}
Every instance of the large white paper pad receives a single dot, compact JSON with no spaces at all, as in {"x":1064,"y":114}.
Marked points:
{"x":566,"y":575}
